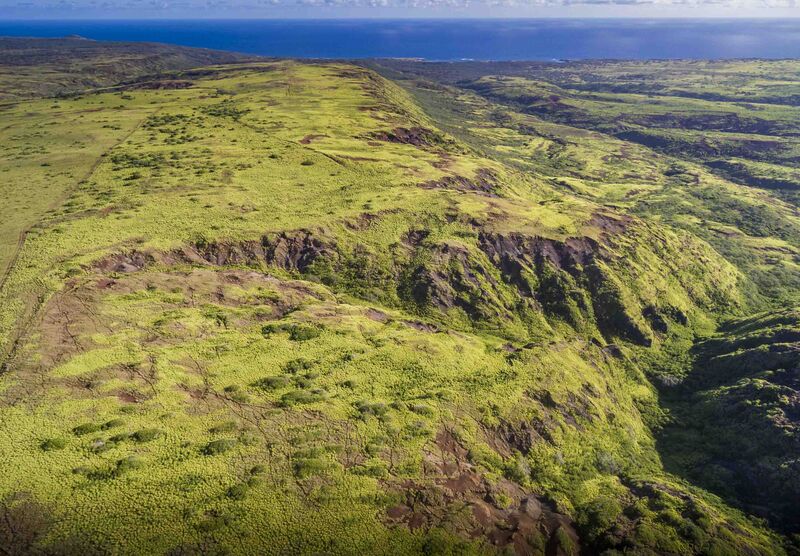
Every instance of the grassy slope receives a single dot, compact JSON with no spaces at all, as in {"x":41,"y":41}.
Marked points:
{"x":588,"y":128}
{"x":285,"y":309}
{"x":50,"y":147}
{"x":715,"y":438}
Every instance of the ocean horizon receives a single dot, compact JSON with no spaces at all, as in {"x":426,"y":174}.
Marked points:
{"x":450,"y":39}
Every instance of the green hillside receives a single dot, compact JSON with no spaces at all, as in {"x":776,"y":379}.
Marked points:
{"x":315,"y":308}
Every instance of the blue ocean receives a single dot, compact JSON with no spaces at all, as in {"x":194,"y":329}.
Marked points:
{"x":487,"y":39}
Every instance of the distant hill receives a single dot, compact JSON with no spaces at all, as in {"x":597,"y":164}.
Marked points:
{"x":35,"y":67}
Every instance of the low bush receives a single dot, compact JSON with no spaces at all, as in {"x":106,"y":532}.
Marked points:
{"x":219,"y":446}
{"x":272,"y":383}
{"x":128,"y":464}
{"x":297,"y":332}
{"x":375,"y":408}
{"x":53,"y":444}
{"x":86,"y":428}
{"x":227,"y":426}
{"x":113,"y":423}
{"x":258,"y":469}
{"x":146,"y":435}
{"x":238,"y":491}
{"x":299,"y":397}
{"x":421,"y":409}
{"x":304,"y":468}
{"x":121,"y":437}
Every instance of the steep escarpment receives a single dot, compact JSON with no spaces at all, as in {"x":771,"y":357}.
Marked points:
{"x":604,"y":285}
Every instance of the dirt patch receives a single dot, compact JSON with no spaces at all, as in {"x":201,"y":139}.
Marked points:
{"x":484,"y":181}
{"x":71,"y":318}
{"x":364,"y":220}
{"x":417,"y":136}
{"x":510,"y":251}
{"x":68,"y":321}
{"x":308,"y":139}
{"x":164,"y":84}
{"x":289,"y":250}
{"x":378,"y":316}
{"x":414,"y":238}
{"x":126,"y":396}
{"x":610,"y":224}
{"x":421,"y":326}
{"x":132,"y":261}
{"x":457,"y":497}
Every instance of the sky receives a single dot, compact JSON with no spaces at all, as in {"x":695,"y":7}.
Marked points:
{"x":187,"y":9}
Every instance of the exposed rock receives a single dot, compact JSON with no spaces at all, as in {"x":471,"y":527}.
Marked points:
{"x":295,"y":251}
{"x":229,"y":253}
{"x":417,"y":136}
{"x":451,"y":278}
{"x":532,"y":507}
{"x":308,"y":139}
{"x":564,"y":277}
{"x":288,"y":250}
{"x":163,"y":84}
{"x":501,"y":511}
{"x":125,"y":262}
{"x":510,"y":251}
{"x":484,"y":182}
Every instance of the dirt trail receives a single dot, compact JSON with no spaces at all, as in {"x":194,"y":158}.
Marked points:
{"x":10,"y":346}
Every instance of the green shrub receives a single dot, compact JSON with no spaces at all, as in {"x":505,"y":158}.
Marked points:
{"x":53,"y":444}
{"x":128,"y":464}
{"x":100,"y":446}
{"x":481,"y":454}
{"x":272,"y":383}
{"x":86,"y":428}
{"x":297,"y":332}
{"x":373,"y":468}
{"x":219,"y":446}
{"x":240,"y":397}
{"x":297,"y":365}
{"x":304,"y":468}
{"x":421,"y":409}
{"x":258,"y":469}
{"x":227,"y":426}
{"x":565,"y":543}
{"x":146,"y":435}
{"x":254,"y":482}
{"x":299,"y":397}
{"x":121,"y":437}
{"x":517,"y":470}
{"x":375,"y":408}
{"x":112,"y":424}
{"x":238,"y":491}
{"x":599,"y":515}
{"x":301,"y":333}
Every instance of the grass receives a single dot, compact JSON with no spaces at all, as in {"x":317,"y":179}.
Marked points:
{"x":258,"y":316}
